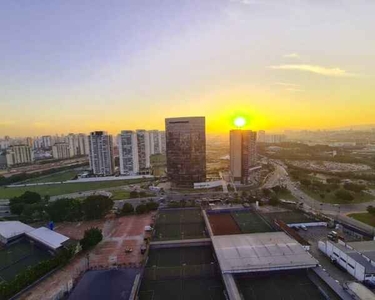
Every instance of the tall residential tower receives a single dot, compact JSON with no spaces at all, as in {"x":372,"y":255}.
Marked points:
{"x":101,"y":153}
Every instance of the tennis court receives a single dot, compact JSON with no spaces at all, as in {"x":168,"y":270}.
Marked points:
{"x":173,"y":257}
{"x":223,"y":224}
{"x":181,"y":273}
{"x":288,"y":285}
{"x":179,"y":224}
{"x":250,"y":222}
{"x":289,"y":217}
{"x":18,"y":257}
{"x":183,"y":289}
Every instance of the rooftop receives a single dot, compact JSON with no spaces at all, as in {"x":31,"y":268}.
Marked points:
{"x":9,"y":229}
{"x":242,"y":253}
{"x":48,"y":237}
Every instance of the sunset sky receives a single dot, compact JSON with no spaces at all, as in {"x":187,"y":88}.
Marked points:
{"x":78,"y":66}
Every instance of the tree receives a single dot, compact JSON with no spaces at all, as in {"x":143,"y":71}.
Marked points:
{"x":65,"y":210}
{"x":371,"y":210}
{"x":133,"y":194}
{"x":152,"y":205}
{"x":141,"y":209}
{"x":354,"y":187}
{"x":92,"y":237}
{"x":306,"y":182}
{"x":127,"y":208}
{"x":274,"y":200}
{"x":96,"y":207}
{"x":18,"y":204}
{"x":266,"y":192}
{"x":344,"y":195}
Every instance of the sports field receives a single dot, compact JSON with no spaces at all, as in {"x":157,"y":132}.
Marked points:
{"x":250,"y":222}
{"x":289,"y":285}
{"x":223,"y":224}
{"x":182,"y":274}
{"x":56,"y":177}
{"x":237,"y":222}
{"x":179,"y":224}
{"x":289,"y":217}
{"x":17,"y":257}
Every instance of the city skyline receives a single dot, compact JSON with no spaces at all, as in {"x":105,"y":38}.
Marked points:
{"x":290,"y":65}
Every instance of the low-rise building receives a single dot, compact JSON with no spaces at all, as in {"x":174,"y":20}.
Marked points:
{"x":357,"y":258}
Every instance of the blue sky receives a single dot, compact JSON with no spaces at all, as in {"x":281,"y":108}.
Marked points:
{"x":113,"y":65}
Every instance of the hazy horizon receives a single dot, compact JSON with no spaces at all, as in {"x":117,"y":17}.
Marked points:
{"x":284,"y":65}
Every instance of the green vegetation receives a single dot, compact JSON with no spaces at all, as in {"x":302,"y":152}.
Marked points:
{"x":92,"y":237}
{"x":65,"y":210}
{"x":329,"y":197}
{"x":145,"y":208}
{"x":29,"y":206}
{"x":66,"y":188}
{"x":344,"y":195}
{"x":26,"y":176}
{"x":366,"y":218}
{"x":57,"y":177}
{"x":96,"y":207}
{"x":120,"y":194}
{"x":127,"y":209}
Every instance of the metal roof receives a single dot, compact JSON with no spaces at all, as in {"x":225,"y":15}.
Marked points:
{"x":242,"y":253}
{"x":369,"y":268}
{"x":364,"y":246}
{"x":48,"y":237}
{"x":10,"y":229}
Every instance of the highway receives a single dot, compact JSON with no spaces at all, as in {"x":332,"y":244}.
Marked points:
{"x":280,"y":176}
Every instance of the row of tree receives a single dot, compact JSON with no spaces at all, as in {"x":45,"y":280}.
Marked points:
{"x":128,"y":209}
{"x":31,"y":206}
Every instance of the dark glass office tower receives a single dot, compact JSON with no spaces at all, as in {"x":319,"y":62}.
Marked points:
{"x":186,"y":150}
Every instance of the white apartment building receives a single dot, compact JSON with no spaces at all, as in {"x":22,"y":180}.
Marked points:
{"x":78,"y":144}
{"x":101,"y":153}
{"x":261,"y":136}
{"x":128,"y":152}
{"x":143,"y":143}
{"x":46,"y":141}
{"x":19,"y":154}
{"x":157,"y":141}
{"x":60,"y":151}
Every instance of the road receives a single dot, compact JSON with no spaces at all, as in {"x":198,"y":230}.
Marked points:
{"x":280,"y":175}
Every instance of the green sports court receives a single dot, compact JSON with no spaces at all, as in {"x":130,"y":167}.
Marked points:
{"x":179,"y":224}
{"x":19,"y":256}
{"x":251,"y":222}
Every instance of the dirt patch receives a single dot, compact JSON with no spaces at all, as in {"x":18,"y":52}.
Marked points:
{"x":76,"y":230}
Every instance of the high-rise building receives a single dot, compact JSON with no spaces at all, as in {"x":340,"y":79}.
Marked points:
{"x":78,"y":144}
{"x":157,"y":141}
{"x":242,"y":153}
{"x":261,"y":138}
{"x":19,"y":154}
{"x":143,"y":142}
{"x":46,"y":141}
{"x":83,"y":144}
{"x":29,"y":142}
{"x":101,"y":153}
{"x":37,"y":143}
{"x":275,"y":138}
{"x":128,"y":152}
{"x":60,"y":151}
{"x":186,"y":150}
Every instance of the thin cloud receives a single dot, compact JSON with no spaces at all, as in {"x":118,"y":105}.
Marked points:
{"x":333,"y":72}
{"x":286,"y":84}
{"x":294,"y":90}
{"x":292,"y":55}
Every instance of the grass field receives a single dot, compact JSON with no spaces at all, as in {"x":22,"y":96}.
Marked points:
{"x":120,"y":194}
{"x":287,"y":195}
{"x":331,"y":198}
{"x":283,"y":285}
{"x":364,"y":218}
{"x":57,"y":177}
{"x":249,"y":222}
{"x":18,"y":257}
{"x":61,"y":189}
{"x":179,"y":224}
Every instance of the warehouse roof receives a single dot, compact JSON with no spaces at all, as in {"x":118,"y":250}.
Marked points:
{"x":363,"y":246}
{"x":260,"y":252}
{"x":48,"y":237}
{"x":369,"y":268}
{"x":10,"y":229}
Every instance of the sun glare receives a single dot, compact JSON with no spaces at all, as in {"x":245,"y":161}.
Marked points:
{"x":239,"y":122}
